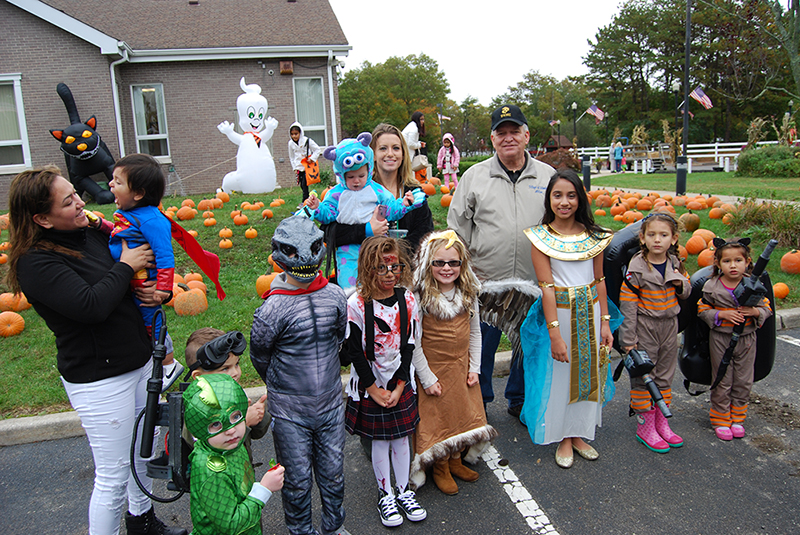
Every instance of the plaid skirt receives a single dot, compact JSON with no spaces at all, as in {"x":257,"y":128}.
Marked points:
{"x":368,"y":419}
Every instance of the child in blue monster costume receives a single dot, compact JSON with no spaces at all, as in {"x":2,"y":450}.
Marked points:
{"x":354,"y":198}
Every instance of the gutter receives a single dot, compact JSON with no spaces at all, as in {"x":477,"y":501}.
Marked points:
{"x":331,"y":100}
{"x":115,"y":95}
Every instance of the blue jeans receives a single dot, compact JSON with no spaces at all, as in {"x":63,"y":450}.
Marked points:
{"x":515,"y":387}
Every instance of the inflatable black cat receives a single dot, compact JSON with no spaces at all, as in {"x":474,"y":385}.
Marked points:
{"x":85,"y":153}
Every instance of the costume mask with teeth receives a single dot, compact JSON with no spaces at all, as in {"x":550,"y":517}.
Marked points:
{"x":298,"y":248}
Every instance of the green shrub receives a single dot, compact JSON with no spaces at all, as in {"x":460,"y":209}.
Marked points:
{"x":466,"y":163}
{"x":770,"y":161}
{"x":762,"y":221}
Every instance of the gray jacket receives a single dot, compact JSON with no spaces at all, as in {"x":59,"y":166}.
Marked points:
{"x":294,"y":347}
{"x":490,"y":213}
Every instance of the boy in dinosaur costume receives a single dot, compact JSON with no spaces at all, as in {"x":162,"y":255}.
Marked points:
{"x":226,"y":498}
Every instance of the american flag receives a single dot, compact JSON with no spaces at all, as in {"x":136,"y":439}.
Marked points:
{"x":702,"y":98}
{"x":555,"y":122}
{"x":597,"y":112}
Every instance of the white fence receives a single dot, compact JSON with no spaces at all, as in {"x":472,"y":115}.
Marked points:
{"x":722,"y":154}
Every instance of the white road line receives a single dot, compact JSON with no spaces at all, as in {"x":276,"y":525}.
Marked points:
{"x":518,"y":494}
{"x":789,"y":339}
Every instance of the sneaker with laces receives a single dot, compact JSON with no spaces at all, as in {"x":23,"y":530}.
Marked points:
{"x":387,"y":507}
{"x":171,"y":374}
{"x":407,"y":501}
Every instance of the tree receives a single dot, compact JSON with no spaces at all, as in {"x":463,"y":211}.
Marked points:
{"x":390,"y":92}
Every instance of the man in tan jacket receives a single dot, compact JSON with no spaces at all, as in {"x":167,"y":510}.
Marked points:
{"x":496,"y":200}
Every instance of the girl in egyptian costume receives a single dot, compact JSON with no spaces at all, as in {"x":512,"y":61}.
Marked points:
{"x":567,"y":334}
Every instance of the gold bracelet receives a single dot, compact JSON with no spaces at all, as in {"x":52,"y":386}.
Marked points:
{"x":605,"y":317}
{"x":546,"y":284}
{"x":553,"y":324}
{"x":601,"y":279}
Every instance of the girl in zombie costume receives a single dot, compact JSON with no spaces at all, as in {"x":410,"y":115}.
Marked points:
{"x":567,"y":334}
{"x":721,"y":311}
{"x":226,"y":498}
{"x":447,"y":360}
{"x":656,"y":279}
{"x":383,"y":321}
{"x":354,"y":199}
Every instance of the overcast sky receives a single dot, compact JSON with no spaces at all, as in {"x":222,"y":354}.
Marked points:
{"x":482,"y":50}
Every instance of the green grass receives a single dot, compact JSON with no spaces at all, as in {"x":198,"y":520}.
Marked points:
{"x":30,"y":381}
{"x":787,"y":189}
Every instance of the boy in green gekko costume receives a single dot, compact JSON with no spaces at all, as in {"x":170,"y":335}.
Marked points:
{"x":225,"y":495}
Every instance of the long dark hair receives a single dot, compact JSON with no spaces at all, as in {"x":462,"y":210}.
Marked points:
{"x":416,"y":116}
{"x":583,"y":214}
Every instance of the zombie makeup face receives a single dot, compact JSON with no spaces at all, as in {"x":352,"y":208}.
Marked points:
{"x":298,"y":248}
{"x":388,"y":272}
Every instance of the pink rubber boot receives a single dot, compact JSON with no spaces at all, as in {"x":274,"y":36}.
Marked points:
{"x":647,"y":434}
{"x":662,"y":428}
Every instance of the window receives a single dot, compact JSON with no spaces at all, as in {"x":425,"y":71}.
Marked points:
{"x":150,"y":121}
{"x":309,"y":108}
{"x":15,"y":152}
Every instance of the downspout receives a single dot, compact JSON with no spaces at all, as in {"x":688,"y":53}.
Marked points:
{"x":115,"y":98}
{"x":330,"y":97}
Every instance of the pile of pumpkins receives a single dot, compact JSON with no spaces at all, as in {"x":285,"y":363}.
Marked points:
{"x":11,"y":322}
{"x":430,"y":186}
{"x":188,"y":294}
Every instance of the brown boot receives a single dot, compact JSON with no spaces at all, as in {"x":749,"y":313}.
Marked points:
{"x":462,"y":472}
{"x":443,"y":479}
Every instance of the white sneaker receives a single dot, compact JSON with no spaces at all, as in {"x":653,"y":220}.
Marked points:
{"x":387,"y":507}
{"x":172,"y":373}
{"x":407,"y":501}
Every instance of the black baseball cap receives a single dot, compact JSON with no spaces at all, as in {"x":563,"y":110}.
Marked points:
{"x":508,"y":112}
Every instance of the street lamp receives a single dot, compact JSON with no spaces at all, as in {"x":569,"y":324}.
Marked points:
{"x":575,"y":119}
{"x":791,"y":103}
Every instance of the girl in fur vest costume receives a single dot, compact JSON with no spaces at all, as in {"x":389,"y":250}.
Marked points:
{"x":447,"y":358}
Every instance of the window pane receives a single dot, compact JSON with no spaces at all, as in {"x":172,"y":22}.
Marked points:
{"x":309,"y":102}
{"x":154,"y":147}
{"x":11,"y":155}
{"x":9,"y":127}
{"x":317,"y":135}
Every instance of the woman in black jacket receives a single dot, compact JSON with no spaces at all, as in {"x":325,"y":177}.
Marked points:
{"x":65,"y":270}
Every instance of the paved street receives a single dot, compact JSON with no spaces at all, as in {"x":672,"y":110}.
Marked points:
{"x":746,"y":486}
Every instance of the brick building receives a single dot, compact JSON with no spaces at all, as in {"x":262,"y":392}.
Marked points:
{"x":159,"y":75}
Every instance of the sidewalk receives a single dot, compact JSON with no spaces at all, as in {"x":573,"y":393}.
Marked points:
{"x":29,"y":429}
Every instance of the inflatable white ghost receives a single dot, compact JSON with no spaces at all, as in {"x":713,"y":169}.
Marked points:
{"x":255,"y":169}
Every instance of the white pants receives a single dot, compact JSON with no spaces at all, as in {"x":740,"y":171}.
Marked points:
{"x":108,"y":410}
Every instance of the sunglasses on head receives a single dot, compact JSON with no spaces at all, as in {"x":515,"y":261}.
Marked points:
{"x":442,"y":263}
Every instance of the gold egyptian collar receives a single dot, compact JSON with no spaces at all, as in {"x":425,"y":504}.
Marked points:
{"x":570,"y":248}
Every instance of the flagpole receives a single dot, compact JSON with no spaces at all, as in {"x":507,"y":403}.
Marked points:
{"x":682,"y":167}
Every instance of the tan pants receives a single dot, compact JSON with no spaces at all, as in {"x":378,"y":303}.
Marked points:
{"x":729,"y":400}
{"x":659,"y":338}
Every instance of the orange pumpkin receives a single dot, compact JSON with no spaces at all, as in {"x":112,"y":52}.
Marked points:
{"x":691,"y":222}
{"x":599,"y":212}
{"x":188,"y":202}
{"x":444,"y":189}
{"x":193,"y":232}
{"x":192,"y":276}
{"x":210,"y":222}
{"x":711,"y":200}
{"x":225,"y":243}
{"x":208,"y":213}
{"x":275,"y":267}
{"x":716,"y":213}
{"x":191,"y":303}
{"x":3,"y":222}
{"x":267,"y":214}
{"x":251,"y":233}
{"x":240,"y":220}
{"x":683,"y":254}
{"x":695,"y":245}
{"x":177,"y":278}
{"x":629,"y":217}
{"x":727,"y":219}
{"x":694,"y":205}
{"x":618,"y":209}
{"x":429,"y":189}
{"x":186,"y":212}
{"x":13,"y":302}
{"x":11,"y":324}
{"x":706,"y":257}
{"x":275,"y":204}
{"x":644,"y":204}
{"x":705,"y":233}
{"x":225,"y":232}
{"x":3,"y":258}
{"x":4,"y":246}
{"x":446,"y":200}
{"x":192,"y":284}
{"x":790,"y":262}
{"x":205,"y":204}
{"x":224,"y":197}
{"x":263,"y":283}
{"x":176,"y":289}
{"x":217,"y":203}
{"x":679,"y":201}
{"x":245,"y":205}
{"x":781,"y":290}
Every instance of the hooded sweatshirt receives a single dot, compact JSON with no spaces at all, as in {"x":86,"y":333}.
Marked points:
{"x":298,"y":151}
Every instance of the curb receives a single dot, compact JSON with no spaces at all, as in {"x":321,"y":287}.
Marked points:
{"x":24,"y":430}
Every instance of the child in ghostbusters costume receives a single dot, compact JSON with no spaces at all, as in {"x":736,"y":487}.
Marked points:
{"x":226,"y":498}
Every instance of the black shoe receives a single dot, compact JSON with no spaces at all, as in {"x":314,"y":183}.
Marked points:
{"x":515,"y":411}
{"x":149,"y":524}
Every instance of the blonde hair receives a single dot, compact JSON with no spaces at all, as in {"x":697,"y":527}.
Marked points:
{"x":424,"y":282}
{"x":404,"y":172}
{"x":371,"y":256}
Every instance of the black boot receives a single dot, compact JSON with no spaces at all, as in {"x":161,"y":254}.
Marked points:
{"x":148,"y":524}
